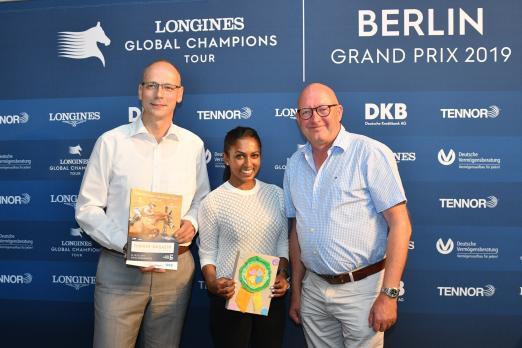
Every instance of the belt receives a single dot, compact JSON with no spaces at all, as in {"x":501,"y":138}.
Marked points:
{"x":354,"y":275}
{"x":182,"y":249}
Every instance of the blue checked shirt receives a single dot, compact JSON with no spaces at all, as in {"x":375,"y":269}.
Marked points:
{"x":339,"y":208}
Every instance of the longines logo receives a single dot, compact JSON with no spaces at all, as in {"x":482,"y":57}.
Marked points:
{"x":468,"y":203}
{"x":76,"y":247}
{"x":241,"y":114}
{"x":24,"y":198}
{"x":405,"y":156}
{"x":75,"y":281}
{"x":385,"y":114}
{"x":466,"y":249}
{"x":25,"y":278}
{"x":280,"y":166}
{"x":444,"y":248}
{"x":446,"y":159}
{"x":450,"y":291}
{"x":69,"y":200}
{"x":76,"y":232}
{"x":199,"y":38}
{"x":83,"y":44}
{"x":75,"y":150}
{"x":74,"y":118}
{"x":21,"y":117}
{"x":490,"y":112}
{"x":468,"y":160}
{"x":288,"y":113}
{"x":73,"y":166}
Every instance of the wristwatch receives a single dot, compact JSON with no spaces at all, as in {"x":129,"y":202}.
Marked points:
{"x":391,"y":292}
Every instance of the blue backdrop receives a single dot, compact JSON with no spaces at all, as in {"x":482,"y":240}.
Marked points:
{"x":438,"y":81}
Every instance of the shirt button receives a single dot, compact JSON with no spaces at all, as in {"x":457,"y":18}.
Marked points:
{"x":312,"y":230}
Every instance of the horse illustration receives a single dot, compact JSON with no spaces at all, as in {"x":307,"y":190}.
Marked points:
{"x":83,"y":44}
{"x":75,"y":150}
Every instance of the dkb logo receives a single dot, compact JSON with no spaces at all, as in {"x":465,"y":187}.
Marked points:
{"x":384,"y":111}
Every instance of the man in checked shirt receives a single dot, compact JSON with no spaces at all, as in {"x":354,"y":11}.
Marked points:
{"x":349,"y":228}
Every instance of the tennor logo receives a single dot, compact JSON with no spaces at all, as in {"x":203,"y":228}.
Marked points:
{"x":244,"y":113}
{"x":490,"y":112}
{"x":83,"y":44}
{"x":446,"y":159}
{"x":444,"y":248}
{"x":450,"y":291}
{"x":21,"y":117}
{"x":385,"y":114}
{"x":466,"y":203}
{"x":25,"y":278}
{"x":24,"y":198}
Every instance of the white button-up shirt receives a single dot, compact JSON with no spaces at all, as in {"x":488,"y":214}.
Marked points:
{"x":339,"y":208}
{"x":130,"y":157}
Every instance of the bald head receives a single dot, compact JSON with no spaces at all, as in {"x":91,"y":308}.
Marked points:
{"x":315,"y":91}
{"x":164,"y":63}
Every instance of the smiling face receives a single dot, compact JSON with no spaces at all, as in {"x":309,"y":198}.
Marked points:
{"x":244,"y":160}
{"x":320,"y":131}
{"x":159,"y":104}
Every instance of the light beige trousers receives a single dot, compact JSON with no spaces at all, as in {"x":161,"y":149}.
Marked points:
{"x":337,"y":315}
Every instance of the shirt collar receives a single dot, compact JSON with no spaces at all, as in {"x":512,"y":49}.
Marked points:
{"x":139,"y":128}
{"x":341,"y":141}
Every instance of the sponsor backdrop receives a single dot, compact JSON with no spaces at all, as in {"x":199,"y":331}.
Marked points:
{"x":438,"y":81}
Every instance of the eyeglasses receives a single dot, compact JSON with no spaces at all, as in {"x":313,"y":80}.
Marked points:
{"x":321,"y":110}
{"x":154,"y":86}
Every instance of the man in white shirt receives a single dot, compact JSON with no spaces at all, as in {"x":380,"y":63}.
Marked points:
{"x":155,"y":155}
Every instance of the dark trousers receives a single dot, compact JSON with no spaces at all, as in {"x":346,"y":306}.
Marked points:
{"x":232,"y":329}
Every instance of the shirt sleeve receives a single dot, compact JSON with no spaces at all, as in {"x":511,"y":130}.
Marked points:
{"x":282,"y":241}
{"x":208,"y":234}
{"x":383,"y":179}
{"x":92,"y":200}
{"x":288,"y":203}
{"x":202,"y":188}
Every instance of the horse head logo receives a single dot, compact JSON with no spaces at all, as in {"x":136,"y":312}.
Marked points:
{"x":82,"y":44}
